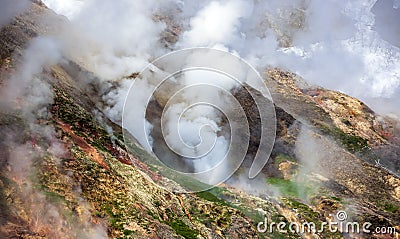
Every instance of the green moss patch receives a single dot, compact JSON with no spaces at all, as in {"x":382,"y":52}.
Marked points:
{"x":182,"y":229}
{"x":290,"y":188}
{"x":353,"y":143}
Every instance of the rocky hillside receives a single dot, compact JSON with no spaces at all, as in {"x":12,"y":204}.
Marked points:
{"x":65,"y":171}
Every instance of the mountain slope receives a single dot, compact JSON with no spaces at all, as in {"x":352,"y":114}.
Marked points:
{"x":66,"y":172}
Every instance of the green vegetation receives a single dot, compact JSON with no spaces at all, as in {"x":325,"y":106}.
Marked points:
{"x":5,"y":185}
{"x":216,"y":194}
{"x":114,"y":203}
{"x":336,"y":199}
{"x":213,"y":195}
{"x":156,"y":166}
{"x":309,"y":215}
{"x":389,"y":207}
{"x":54,"y":197}
{"x":143,"y":155}
{"x":82,"y":123}
{"x":306,"y":212}
{"x":209,"y":197}
{"x":353,"y":143}
{"x":182,"y":229}
{"x":290,"y":188}
{"x":283,"y":158}
{"x":277,"y":234}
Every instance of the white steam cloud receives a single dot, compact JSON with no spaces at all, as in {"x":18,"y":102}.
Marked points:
{"x":68,"y":8}
{"x":350,"y":46}
{"x":113,"y":39}
{"x":28,"y":92}
{"x":216,"y":23}
{"x":335,"y":44}
{"x":24,"y":84}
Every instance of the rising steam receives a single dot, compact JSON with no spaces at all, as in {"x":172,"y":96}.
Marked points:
{"x":341,"y":45}
{"x":348,"y":46}
{"x":198,"y":127}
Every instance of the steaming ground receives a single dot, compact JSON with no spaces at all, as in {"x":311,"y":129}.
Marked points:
{"x":29,"y":94}
{"x":349,"y":46}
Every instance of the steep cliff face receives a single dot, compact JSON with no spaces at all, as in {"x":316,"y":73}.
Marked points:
{"x":66,"y":173}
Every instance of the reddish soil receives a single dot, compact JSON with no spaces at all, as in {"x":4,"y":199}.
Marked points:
{"x":84,"y":146}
